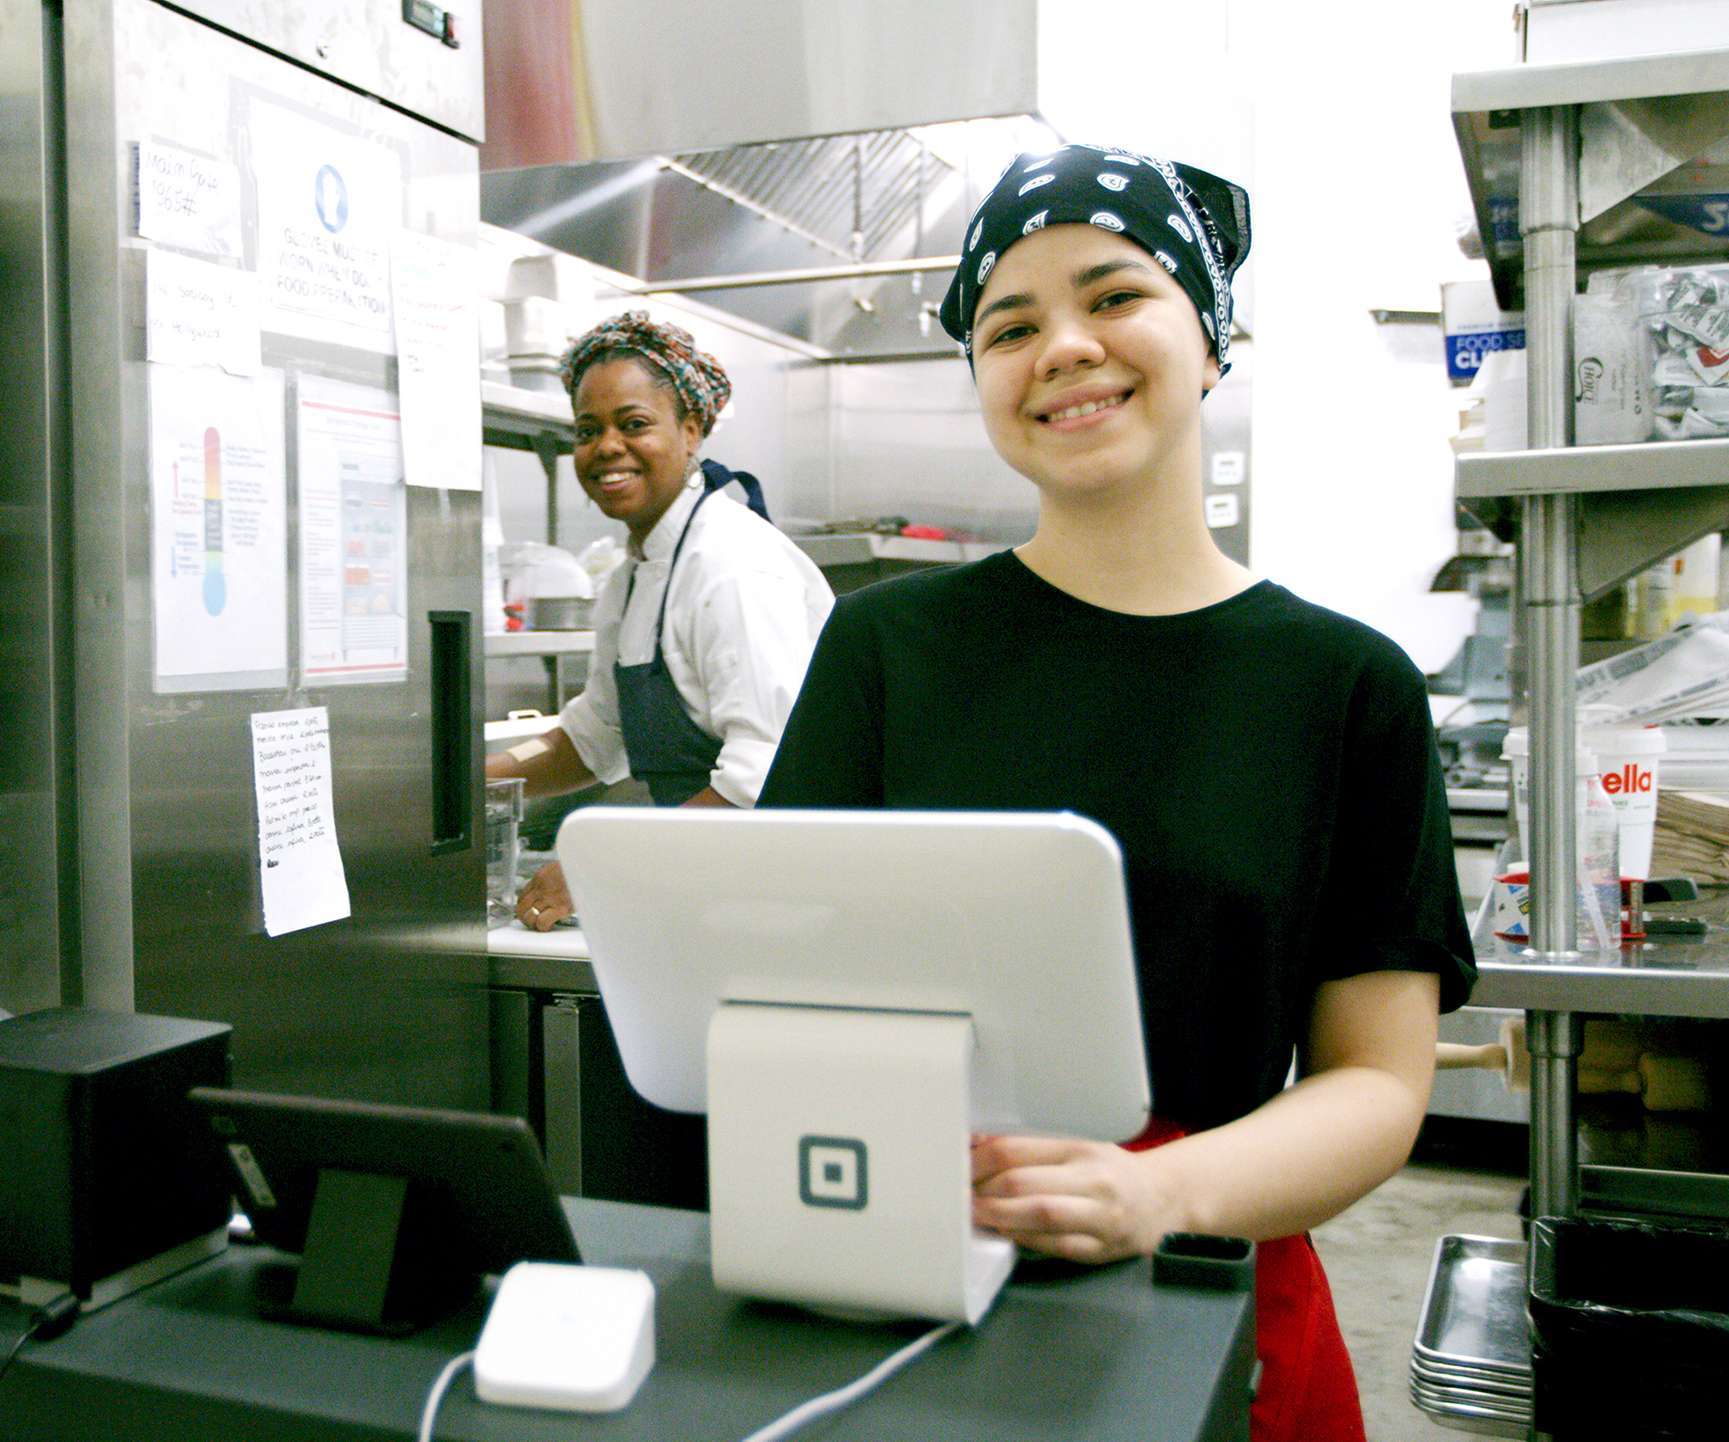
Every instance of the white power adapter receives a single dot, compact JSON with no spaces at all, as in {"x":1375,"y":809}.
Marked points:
{"x":575,"y":1338}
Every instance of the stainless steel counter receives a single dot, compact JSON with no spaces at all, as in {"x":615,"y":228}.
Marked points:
{"x":1670,"y":976}
{"x":1671,"y":979}
{"x":555,"y":960}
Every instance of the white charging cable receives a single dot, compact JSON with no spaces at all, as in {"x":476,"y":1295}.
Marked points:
{"x":800,"y":1417}
{"x":435,"y":1395}
{"x":807,"y":1412}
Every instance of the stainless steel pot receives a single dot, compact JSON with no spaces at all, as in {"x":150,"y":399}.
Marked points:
{"x":560,"y":613}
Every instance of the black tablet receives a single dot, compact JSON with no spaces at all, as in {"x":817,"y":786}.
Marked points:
{"x":396,"y":1212}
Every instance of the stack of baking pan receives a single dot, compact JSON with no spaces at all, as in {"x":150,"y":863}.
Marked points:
{"x":1471,"y":1361}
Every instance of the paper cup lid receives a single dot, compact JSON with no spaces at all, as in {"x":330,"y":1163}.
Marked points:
{"x":1518,"y":746}
{"x":1631,"y":740}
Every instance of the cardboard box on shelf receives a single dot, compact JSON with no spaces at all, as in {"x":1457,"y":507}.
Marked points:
{"x":1476,"y":327}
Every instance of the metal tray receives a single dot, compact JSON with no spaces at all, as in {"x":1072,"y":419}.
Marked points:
{"x":1444,"y":1398}
{"x":1474,"y":1309}
{"x":1467,"y":1421}
{"x":1431,"y":1375}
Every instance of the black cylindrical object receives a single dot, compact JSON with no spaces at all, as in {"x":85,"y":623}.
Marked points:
{"x":1630,"y":1328}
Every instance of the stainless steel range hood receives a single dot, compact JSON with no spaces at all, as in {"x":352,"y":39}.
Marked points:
{"x":849,"y":137}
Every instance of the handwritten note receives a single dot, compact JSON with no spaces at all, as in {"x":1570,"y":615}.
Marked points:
{"x":198,"y":313}
{"x":187,"y":200}
{"x":437,"y":309}
{"x":299,"y":862}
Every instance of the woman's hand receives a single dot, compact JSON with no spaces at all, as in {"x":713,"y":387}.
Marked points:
{"x":545,"y":900}
{"x":1079,"y":1200}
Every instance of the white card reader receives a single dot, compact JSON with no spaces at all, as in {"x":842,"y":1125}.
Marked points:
{"x":574,"y":1338}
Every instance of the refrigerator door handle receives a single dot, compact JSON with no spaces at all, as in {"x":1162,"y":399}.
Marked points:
{"x":452,"y":739}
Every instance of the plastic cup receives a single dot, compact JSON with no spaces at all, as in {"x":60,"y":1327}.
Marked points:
{"x":1516,"y":751}
{"x":503,"y":817}
{"x":1627,"y":760}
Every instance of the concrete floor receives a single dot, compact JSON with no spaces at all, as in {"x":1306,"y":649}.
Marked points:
{"x":1378,"y":1256}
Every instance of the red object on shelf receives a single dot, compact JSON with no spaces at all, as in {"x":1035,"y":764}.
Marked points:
{"x":1632,"y":908}
{"x":927,"y":533}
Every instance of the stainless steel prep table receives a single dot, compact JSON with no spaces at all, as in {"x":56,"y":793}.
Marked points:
{"x":1099,"y":1353}
{"x":1674,"y":977}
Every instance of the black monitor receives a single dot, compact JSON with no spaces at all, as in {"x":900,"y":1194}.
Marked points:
{"x":397,"y":1212}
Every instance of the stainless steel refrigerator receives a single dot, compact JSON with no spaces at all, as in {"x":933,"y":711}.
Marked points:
{"x":140,"y":143}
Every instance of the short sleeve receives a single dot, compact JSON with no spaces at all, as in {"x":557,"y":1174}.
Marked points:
{"x":1391,"y":894}
{"x":590,"y":719}
{"x":831,"y":751}
{"x":752,"y":640}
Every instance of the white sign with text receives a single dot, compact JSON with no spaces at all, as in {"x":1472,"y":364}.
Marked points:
{"x":198,"y":313}
{"x":328,"y":205}
{"x":299,"y":862}
{"x":186,"y":200}
{"x":436,"y":294}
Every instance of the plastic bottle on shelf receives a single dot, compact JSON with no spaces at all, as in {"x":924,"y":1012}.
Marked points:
{"x":1597,"y":888}
{"x":1598,"y":829}
{"x":1654,"y":592}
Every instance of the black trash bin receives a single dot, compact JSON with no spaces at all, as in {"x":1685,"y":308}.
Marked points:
{"x":1630,"y":1330}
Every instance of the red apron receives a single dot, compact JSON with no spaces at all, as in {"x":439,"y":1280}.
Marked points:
{"x":1308,"y":1392}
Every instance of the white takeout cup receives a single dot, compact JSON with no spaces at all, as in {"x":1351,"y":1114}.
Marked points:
{"x":1626,"y":757}
{"x":1516,"y":751}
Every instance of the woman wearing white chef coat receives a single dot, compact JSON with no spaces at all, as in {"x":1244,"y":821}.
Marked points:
{"x":702,"y":636}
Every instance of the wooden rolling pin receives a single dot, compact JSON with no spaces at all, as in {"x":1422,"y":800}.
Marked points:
{"x":1515,"y":1068}
{"x":1612,"y":1059}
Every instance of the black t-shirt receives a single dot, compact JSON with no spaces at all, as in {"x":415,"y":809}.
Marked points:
{"x":1267,"y":766}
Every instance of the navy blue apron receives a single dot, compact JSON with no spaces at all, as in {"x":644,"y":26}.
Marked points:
{"x":668,"y":752}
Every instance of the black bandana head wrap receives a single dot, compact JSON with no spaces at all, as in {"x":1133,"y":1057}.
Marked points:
{"x":698,"y":379}
{"x":1194,"y":224}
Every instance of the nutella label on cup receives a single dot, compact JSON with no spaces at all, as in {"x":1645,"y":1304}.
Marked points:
{"x":1632,"y":786}
{"x":1630,"y":780}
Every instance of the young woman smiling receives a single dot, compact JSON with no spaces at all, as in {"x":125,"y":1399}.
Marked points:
{"x":703,"y":635}
{"x":1267,"y":766}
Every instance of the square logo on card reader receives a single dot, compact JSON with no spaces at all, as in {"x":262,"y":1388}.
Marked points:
{"x":833,"y":1172}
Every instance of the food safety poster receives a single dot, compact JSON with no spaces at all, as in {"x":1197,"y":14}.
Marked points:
{"x":329,"y":203}
{"x":218,"y":530}
{"x":299,"y":862}
{"x":353,"y":533}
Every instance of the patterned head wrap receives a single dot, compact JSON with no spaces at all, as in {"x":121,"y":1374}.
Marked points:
{"x":697,"y":377}
{"x":1194,"y":224}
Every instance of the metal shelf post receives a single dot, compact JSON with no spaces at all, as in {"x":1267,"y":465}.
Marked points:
{"x":1549,"y":220}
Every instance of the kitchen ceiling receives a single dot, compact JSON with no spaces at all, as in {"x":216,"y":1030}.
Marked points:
{"x":778,"y":206}
{"x":803,"y":136}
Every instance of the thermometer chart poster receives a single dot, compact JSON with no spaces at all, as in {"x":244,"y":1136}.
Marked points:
{"x":218,"y":530}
